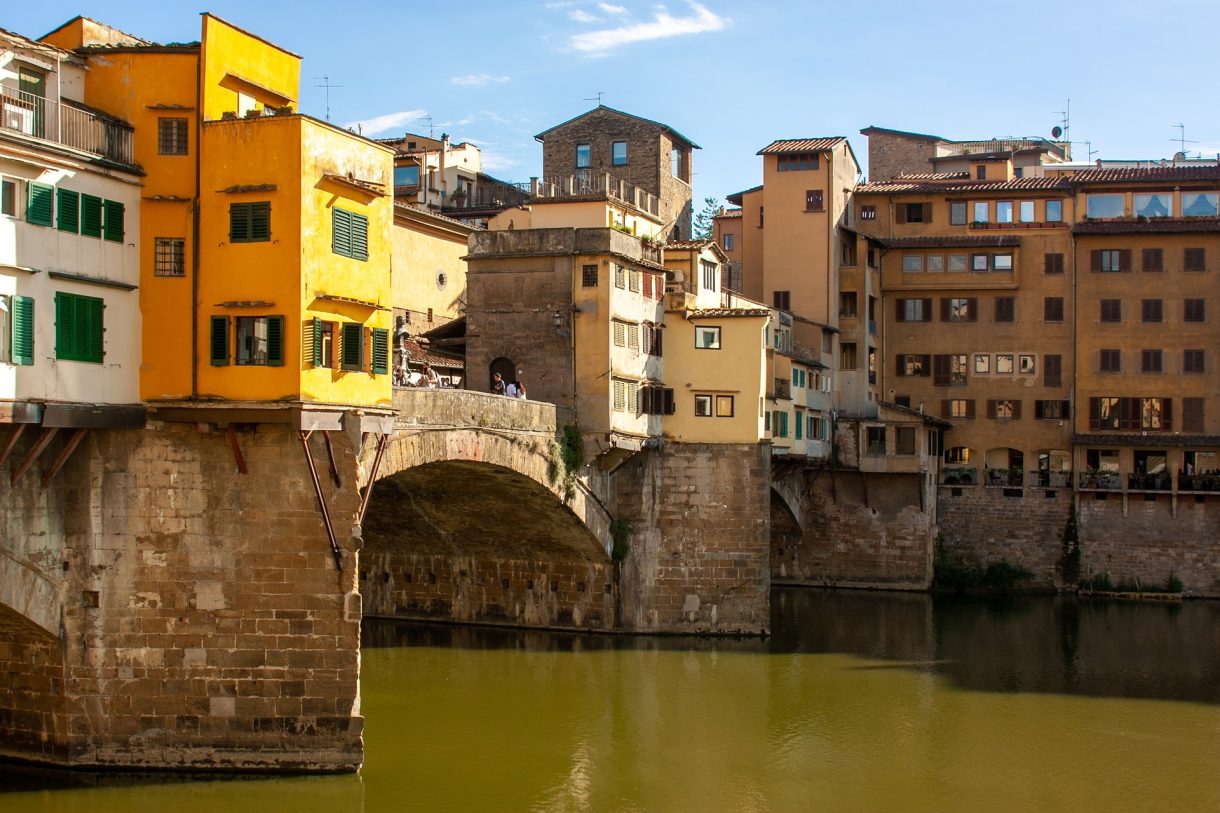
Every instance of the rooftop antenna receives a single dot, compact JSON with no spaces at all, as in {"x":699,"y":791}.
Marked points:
{"x":430,"y":127}
{"x":598,"y":99}
{"x":1066,"y":121}
{"x":1182,"y":139}
{"x":327,"y":85}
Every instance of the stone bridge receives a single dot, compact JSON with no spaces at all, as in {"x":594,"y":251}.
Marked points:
{"x":179,"y":597}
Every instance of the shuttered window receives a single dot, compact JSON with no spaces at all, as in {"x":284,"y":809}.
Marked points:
{"x":219,"y":341}
{"x":22,"y":320}
{"x":1053,"y":264}
{"x":112,"y":224}
{"x":1052,"y":309}
{"x":1192,"y":414}
{"x":90,"y":216}
{"x":250,"y":222}
{"x":1052,"y":370}
{"x":1111,"y":310}
{"x":381,"y":350}
{"x":351,"y":347}
{"x":1195,"y":259}
{"x":68,"y":218}
{"x":1005,"y":308}
{"x":1152,"y":310}
{"x":78,"y":327}
{"x":40,"y":204}
{"x":350,"y":234}
{"x":1153,"y":260}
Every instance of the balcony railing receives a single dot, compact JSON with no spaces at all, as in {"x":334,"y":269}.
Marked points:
{"x":959,"y":477}
{"x":1050,"y":479}
{"x":1199,"y":482}
{"x":65,"y":124}
{"x":1005,"y":478}
{"x":586,"y":183}
{"x":1150,"y":482}
{"x":783,"y":388}
{"x":1101,"y":481}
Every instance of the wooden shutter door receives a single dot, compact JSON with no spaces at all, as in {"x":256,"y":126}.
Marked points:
{"x":381,"y":351}
{"x":275,"y":341}
{"x":23,"y":330}
{"x":219,"y":341}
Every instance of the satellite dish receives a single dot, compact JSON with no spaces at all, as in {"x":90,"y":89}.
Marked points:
{"x":1179,"y":156}
{"x":1056,"y":131}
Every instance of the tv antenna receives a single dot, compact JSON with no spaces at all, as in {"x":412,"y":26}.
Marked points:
{"x":327,"y":86}
{"x":431,"y":129}
{"x":1182,"y":139}
{"x":597,"y":99}
{"x":1066,"y":121}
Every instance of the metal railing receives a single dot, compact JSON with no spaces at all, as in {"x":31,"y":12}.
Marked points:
{"x":65,"y":124}
{"x":1050,"y":479}
{"x":586,"y":183}
{"x":1199,"y":482}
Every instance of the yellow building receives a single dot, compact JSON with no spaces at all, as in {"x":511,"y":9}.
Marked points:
{"x":265,"y":248}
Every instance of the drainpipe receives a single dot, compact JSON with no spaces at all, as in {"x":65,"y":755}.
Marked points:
{"x":444,"y":183}
{"x":195,"y":225}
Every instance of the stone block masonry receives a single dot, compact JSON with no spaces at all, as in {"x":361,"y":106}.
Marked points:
{"x":199,"y":620}
{"x":982,"y":526}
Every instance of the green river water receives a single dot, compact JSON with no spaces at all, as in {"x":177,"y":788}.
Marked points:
{"x":858,"y":702}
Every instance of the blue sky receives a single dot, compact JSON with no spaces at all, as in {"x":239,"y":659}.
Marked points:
{"x":730,"y":76}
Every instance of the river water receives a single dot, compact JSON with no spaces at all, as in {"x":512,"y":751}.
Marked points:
{"x":858,"y":702}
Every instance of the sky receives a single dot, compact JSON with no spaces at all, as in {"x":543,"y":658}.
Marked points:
{"x":730,"y":76}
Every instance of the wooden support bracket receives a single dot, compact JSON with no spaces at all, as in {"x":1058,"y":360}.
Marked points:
{"x":44,"y":440}
{"x":12,"y":442}
{"x":368,"y":490}
{"x":58,"y":463}
{"x":330,"y":455}
{"x":317,"y":487}
{"x":240,"y":460}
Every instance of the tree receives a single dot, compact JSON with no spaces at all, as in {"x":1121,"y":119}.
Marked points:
{"x":703,"y":221}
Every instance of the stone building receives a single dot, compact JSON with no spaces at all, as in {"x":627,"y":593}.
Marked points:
{"x":640,"y":152}
{"x":892,"y":153}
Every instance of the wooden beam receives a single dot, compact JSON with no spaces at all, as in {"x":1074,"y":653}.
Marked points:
{"x":58,"y":463}
{"x":12,"y":442}
{"x":317,"y":487}
{"x":44,"y":440}
{"x":236,"y":447}
{"x":330,"y":455}
{"x":368,"y":491}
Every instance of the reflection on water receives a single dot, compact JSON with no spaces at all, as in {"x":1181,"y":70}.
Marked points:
{"x":859,"y":701}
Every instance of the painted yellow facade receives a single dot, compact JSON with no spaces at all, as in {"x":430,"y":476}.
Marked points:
{"x":429,"y":266}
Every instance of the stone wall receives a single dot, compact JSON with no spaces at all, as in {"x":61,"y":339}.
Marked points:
{"x":982,"y":526}
{"x":892,"y":154}
{"x":699,"y":522}
{"x":202,"y":622}
{"x":861,"y":530}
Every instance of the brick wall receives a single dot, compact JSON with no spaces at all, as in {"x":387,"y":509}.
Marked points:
{"x":891,"y":154}
{"x":699,"y":543}
{"x":982,"y":526}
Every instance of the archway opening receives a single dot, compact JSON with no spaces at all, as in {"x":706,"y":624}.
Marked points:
{"x":507,"y":369}
{"x":786,"y":537}
{"x":1005,"y":467}
{"x":33,"y":720}
{"x":961,"y":466}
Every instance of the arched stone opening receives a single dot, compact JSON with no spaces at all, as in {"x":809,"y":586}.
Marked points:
{"x":1005,"y":467}
{"x":786,"y":538}
{"x":507,"y":369}
{"x":961,"y":466}
{"x":33,"y":719}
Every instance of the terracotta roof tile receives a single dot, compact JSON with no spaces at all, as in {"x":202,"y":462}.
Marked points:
{"x":418,"y":354}
{"x":687,"y":244}
{"x":721,"y":313}
{"x":727,"y":213}
{"x":931,"y":176}
{"x":1186,"y":225}
{"x":900,"y":186}
{"x":951,"y":241}
{"x":1121,"y":174}
{"x":797,"y":145}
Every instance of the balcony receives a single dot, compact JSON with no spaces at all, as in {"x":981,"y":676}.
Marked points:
{"x":1150,"y":482}
{"x":1199,"y":483}
{"x":589,"y":184}
{"x":1101,"y":481}
{"x":960,"y":476}
{"x":67,"y":123}
{"x":1005,"y":478}
{"x":1050,"y":479}
{"x":783,"y":389}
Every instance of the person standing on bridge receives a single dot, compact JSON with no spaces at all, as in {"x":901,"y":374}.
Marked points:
{"x":429,"y":378}
{"x":511,"y":389}
{"x":497,"y":384}
{"x":521,"y":391}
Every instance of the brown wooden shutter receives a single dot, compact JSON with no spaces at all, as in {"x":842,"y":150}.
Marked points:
{"x":900,"y":213}
{"x":940,"y":370}
{"x":926,"y":310}
{"x":1016,"y":410}
{"x":1095,"y":260}
{"x":1167,"y":414}
{"x":925,"y":367}
{"x":900,"y":365}
{"x":946,"y":409}
{"x":900,"y":310}
{"x":1094,"y":414}
{"x":1195,"y":259}
{"x":1153,"y":259}
{"x":1065,"y":409}
{"x":1053,"y":264}
{"x":1124,"y":259}
{"x":1052,"y":367}
{"x":1039,"y":410}
{"x":991,"y":409}
{"x":972,"y":309}
{"x":970,"y":408}
{"x":944,"y":309}
{"x":927,"y":213}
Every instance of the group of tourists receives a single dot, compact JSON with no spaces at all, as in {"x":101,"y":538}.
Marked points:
{"x":511,"y":389}
{"x":427,"y":377}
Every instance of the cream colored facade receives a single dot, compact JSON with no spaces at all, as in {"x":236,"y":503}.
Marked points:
{"x":428,"y":267}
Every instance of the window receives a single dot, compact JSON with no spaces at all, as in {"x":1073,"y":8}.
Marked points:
{"x":982,"y":363}
{"x":874,"y":438}
{"x":620,"y":276}
{"x":90,"y":216}
{"x":9,"y":196}
{"x":406,"y":176}
{"x":949,"y":370}
{"x":1151,"y":310}
{"x":170,"y":257}
{"x":321,"y":336}
{"x":711,"y":278}
{"x":260,"y":340}
{"x":1052,"y":309}
{"x":914,"y":310}
{"x":1192,"y":414}
{"x":349,"y":234}
{"x":675,"y":163}
{"x":1052,"y":264}
{"x":813,"y":200}
{"x":633,"y":280}
{"x":1111,"y":260}
{"x":588,"y":276}
{"x":912,"y":263}
{"x":1004,"y":363}
{"x":957,"y":213}
{"x":620,"y":333}
{"x":1200,"y":204}
{"x":707,"y":338}
{"x":1003,"y":409}
{"x":1111,"y":361}
{"x":1003,"y":211}
{"x":1005,"y":308}
{"x":1195,"y":259}
{"x":78,"y":327}
{"x":1104,"y":206}
{"x":1158,"y":204}
{"x":67,"y":215}
{"x":21,"y":328}
{"x":913,"y":365}
{"x":1192,"y":361}
{"x":980,"y":173}
{"x":633,"y":337}
{"x":913,"y":212}
{"x":1111,"y":310}
{"x":848,"y":305}
{"x":1052,"y":410}
{"x":112,"y":222}
{"x":847,"y":356}
{"x":958,"y":408}
{"x":796,"y":162}
{"x":1027,"y":364}
{"x":1001,"y":262}
{"x":171,"y":136}
{"x":618,"y":153}
{"x":868,"y":212}
{"x":1052,"y":365}
{"x":934,"y":263}
{"x":724,"y":406}
{"x":959,"y":310}
{"x":1027,"y":211}
{"x":250,"y":222}
{"x":904,"y":440}
{"x":703,"y":406}
{"x":6,"y":331}
{"x":656,"y":400}
{"x":982,"y":212}
{"x":351,"y":346}
{"x":1153,"y":259}
{"x":1054,"y":211}
{"x":781,"y":300}
{"x":1194,"y":310}
{"x":584,"y":156}
{"x":980,"y":263}
{"x":727,"y":240}
{"x":39,"y":203}
{"x":957,"y":262}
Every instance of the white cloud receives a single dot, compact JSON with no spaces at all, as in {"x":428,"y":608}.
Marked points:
{"x":612,"y":9}
{"x":582,"y":16}
{"x":663,"y":26}
{"x":478,"y":80}
{"x":387,"y":121}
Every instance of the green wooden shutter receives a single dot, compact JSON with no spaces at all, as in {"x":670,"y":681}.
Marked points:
{"x":352,"y":350}
{"x":39,"y":208}
{"x":275,"y":341}
{"x":90,"y":216}
{"x":260,"y":221}
{"x":341,"y":232}
{"x":239,"y":222}
{"x":65,"y":323}
{"x":113,"y":222}
{"x":23,"y":330}
{"x":381,"y":351}
{"x":360,"y":237}
{"x":69,"y":211}
{"x":93,"y":334}
{"x":313,"y":333}
{"x":79,"y":328}
{"x":220,"y":341}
